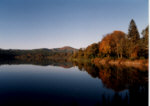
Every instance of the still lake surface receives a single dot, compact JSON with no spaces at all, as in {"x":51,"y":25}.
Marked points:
{"x":67,"y":85}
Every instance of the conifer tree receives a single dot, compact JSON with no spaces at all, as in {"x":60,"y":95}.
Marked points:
{"x":145,"y":34}
{"x":133,"y":33}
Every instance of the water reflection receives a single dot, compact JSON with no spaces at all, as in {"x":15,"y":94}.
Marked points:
{"x":59,"y":62}
{"x":119,"y":78}
{"x":106,"y":86}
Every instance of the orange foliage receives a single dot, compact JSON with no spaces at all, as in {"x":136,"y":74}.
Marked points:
{"x":110,"y":43}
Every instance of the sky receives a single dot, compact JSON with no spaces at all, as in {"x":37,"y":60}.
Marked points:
{"x":31,"y":24}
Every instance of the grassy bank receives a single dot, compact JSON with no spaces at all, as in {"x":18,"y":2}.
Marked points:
{"x":123,"y":62}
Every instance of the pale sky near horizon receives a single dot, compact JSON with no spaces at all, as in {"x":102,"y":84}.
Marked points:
{"x":30,"y":24}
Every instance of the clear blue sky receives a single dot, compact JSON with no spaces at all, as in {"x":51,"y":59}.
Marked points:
{"x":29,"y":24}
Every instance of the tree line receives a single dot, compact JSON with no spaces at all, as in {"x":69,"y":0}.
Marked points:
{"x":34,"y":55}
{"x":118,"y":45}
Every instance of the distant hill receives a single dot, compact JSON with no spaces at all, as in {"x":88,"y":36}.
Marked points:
{"x":65,"y":49}
{"x":61,"y":49}
{"x":37,"y":54}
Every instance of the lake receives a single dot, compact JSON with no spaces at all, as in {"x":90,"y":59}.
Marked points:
{"x":70,"y":84}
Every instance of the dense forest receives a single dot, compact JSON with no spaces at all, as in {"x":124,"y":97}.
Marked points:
{"x":37,"y":54}
{"x":118,"y":45}
{"x":115,"y":45}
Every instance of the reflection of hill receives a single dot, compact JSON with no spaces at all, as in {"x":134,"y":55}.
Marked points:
{"x":117,"y":78}
{"x":58,"y":62}
{"x":113,"y":77}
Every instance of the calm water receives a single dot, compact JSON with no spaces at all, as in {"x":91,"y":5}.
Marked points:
{"x":76,"y":84}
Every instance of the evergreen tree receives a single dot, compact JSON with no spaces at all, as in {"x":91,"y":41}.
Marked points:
{"x":145,"y":34}
{"x":133,"y":33}
{"x":144,"y":43}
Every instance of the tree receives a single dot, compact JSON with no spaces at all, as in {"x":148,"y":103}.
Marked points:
{"x":133,"y":40}
{"x":145,"y":34}
{"x":80,"y":53}
{"x":144,"y":43}
{"x":104,"y":47}
{"x":121,"y":47}
{"x":91,"y":51}
{"x":133,"y":33}
{"x":112,"y":44}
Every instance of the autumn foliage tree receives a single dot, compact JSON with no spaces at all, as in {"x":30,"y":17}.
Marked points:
{"x":118,"y":45}
{"x":112,"y":44}
{"x":91,"y":51}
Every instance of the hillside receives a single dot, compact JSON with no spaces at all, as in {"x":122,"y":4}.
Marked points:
{"x":34,"y":54}
{"x":65,"y":49}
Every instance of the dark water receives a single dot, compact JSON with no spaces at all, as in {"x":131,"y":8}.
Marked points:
{"x":72,"y":85}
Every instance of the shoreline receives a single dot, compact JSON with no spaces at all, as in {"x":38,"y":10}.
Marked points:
{"x":122,"y":62}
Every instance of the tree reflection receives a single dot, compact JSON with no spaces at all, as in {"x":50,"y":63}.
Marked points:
{"x":119,"y":78}
{"x":54,"y":62}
